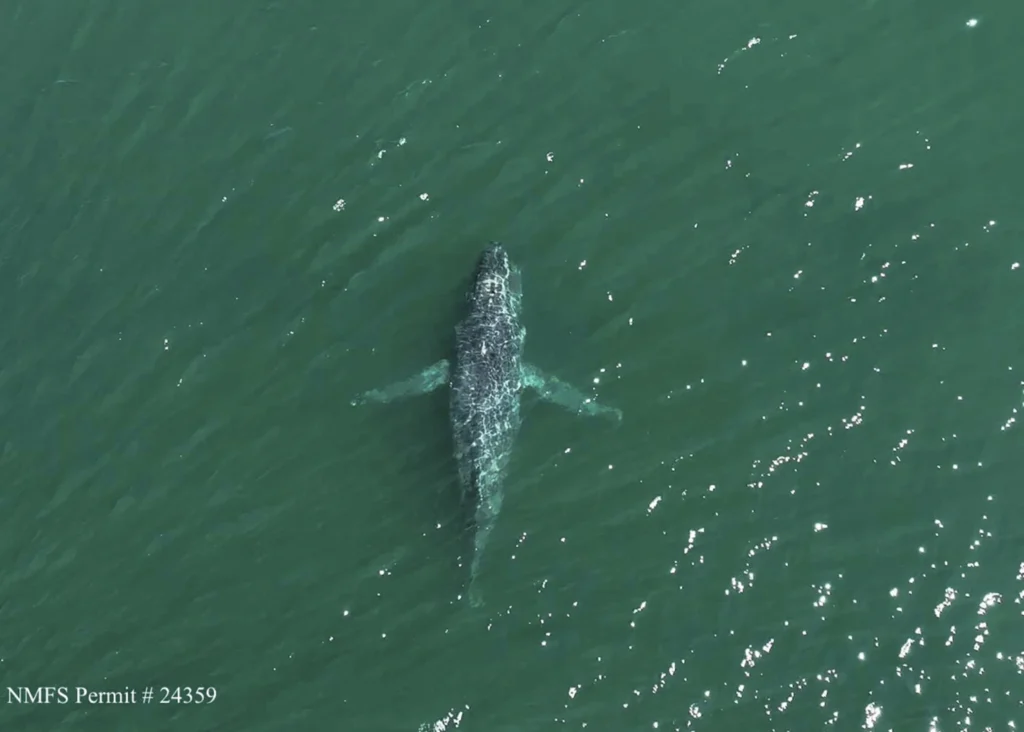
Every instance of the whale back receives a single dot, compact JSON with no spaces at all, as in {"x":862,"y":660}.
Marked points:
{"x":486,"y":378}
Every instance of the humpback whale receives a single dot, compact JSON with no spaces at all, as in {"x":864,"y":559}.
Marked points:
{"x":486,"y":378}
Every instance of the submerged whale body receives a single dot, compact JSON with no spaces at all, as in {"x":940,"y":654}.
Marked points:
{"x":486,"y":382}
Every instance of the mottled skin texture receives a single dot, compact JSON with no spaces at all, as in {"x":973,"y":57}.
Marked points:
{"x":486,"y":383}
{"x":487,"y":380}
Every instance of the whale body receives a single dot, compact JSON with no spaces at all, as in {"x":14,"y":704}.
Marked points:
{"x":487,"y":377}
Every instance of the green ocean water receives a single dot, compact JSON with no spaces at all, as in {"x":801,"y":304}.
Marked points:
{"x":784,"y":238}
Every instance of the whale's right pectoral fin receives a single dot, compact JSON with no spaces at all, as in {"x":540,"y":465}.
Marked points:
{"x":556,"y":391}
{"x":424,"y":382}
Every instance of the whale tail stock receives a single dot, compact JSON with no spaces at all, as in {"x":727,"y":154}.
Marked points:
{"x":483,"y":532}
{"x":475,"y":596}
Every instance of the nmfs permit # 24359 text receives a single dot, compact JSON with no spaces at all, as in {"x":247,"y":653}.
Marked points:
{"x":127,"y":695}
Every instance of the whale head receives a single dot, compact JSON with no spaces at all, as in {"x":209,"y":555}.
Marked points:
{"x":496,"y":281}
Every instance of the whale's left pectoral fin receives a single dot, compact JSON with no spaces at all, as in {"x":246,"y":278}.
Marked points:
{"x":424,"y":382}
{"x":556,"y":391}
